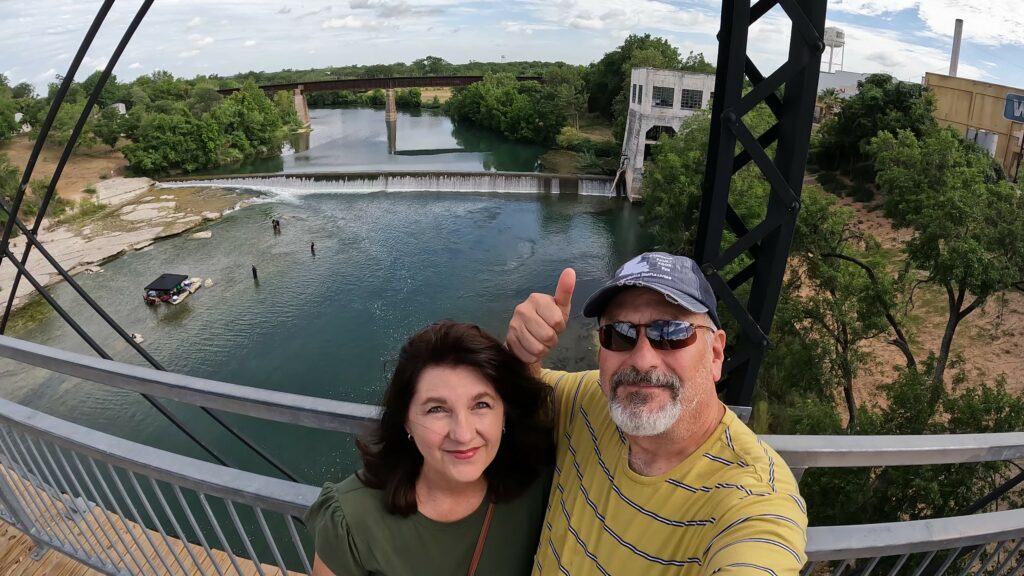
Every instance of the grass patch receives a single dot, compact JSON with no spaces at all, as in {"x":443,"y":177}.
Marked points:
{"x":29,"y":314}
{"x":86,"y":209}
{"x":90,"y":189}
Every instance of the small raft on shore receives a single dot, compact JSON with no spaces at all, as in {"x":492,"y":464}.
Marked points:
{"x":171,"y":289}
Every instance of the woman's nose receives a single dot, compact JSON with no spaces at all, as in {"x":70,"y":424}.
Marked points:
{"x":462,"y":428}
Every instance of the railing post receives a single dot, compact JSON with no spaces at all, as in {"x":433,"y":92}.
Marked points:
{"x":20,"y":518}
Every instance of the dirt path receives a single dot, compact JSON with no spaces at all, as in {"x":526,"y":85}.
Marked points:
{"x":85,"y":168}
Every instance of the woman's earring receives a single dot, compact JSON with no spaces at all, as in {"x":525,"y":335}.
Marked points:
{"x":410,"y":436}
{"x":502,"y":428}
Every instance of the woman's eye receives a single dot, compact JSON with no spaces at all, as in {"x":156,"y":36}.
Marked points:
{"x":436,"y":410}
{"x":482,"y":404}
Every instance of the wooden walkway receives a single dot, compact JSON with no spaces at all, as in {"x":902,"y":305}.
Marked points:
{"x":101,"y":533}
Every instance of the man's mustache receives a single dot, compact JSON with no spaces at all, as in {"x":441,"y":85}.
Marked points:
{"x":633,"y":376}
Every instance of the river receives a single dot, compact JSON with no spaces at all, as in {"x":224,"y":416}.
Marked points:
{"x":330,"y":325}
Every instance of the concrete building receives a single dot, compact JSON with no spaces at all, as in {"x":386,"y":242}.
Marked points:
{"x":977,"y":110}
{"x":659,"y":101}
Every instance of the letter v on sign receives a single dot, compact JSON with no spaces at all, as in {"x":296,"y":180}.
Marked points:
{"x":1014,"y":107}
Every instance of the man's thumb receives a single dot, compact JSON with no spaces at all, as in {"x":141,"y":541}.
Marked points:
{"x":563,"y":292}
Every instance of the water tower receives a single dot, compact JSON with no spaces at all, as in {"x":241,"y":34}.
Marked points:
{"x":835,"y":38}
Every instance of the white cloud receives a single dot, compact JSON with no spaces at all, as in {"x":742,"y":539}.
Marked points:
{"x":188,"y":53}
{"x":135,"y":66}
{"x":350,"y":22}
{"x":525,"y":28}
{"x":991,"y":22}
{"x":248,"y":43}
{"x":618,"y":15}
{"x":199,"y":40}
{"x":196,"y":21}
{"x":874,"y":50}
{"x":284,"y":10}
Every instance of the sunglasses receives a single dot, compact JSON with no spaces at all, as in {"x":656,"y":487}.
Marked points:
{"x":662,"y":335}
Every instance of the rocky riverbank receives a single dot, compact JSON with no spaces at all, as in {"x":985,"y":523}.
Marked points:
{"x":135,"y":214}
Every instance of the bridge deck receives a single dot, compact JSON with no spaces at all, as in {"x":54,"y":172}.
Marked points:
{"x":16,"y":547}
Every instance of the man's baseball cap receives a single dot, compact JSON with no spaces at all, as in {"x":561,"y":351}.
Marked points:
{"x":677,"y":277}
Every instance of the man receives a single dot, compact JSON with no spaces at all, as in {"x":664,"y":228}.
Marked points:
{"x":654,"y":475}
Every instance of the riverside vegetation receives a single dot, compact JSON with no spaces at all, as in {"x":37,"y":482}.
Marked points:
{"x":844,"y":289}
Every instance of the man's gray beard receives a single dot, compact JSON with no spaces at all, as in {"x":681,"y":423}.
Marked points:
{"x":631,"y":412}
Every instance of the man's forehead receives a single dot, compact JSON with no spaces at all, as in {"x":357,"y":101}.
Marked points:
{"x":641,"y":304}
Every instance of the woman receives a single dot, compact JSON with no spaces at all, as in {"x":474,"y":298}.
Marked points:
{"x":455,"y":477}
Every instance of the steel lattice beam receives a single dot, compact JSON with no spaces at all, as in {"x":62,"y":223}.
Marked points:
{"x":767,"y":243}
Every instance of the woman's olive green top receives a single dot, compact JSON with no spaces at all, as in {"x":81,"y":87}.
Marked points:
{"x":355,"y":535}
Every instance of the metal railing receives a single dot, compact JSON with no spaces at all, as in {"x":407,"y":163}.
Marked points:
{"x":68,"y":487}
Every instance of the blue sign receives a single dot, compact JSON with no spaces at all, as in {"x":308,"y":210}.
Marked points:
{"x":1014,"y":107}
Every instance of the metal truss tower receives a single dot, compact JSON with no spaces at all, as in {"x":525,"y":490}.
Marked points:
{"x":790,"y":93}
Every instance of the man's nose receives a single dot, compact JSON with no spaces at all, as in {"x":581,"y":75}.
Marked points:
{"x":644,"y":356}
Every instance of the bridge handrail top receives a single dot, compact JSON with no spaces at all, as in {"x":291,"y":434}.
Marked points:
{"x":310,"y":411}
{"x":336,"y":415}
{"x":825,"y":451}
{"x":910,"y":536}
{"x":213,"y":479}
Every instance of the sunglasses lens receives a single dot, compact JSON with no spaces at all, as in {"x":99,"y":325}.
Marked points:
{"x":662,"y":334}
{"x":618,"y":336}
{"x":670,"y":334}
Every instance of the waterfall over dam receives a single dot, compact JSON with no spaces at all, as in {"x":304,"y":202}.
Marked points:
{"x":292,"y":185}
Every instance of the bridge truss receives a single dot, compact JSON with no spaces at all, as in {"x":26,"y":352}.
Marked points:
{"x":752,"y":294}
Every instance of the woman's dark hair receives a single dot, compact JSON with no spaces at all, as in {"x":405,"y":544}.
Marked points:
{"x":391,"y":461}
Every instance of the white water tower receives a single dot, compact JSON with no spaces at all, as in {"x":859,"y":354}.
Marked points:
{"x":835,"y":38}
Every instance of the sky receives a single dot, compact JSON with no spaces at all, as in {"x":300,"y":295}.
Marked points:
{"x":905,"y":38}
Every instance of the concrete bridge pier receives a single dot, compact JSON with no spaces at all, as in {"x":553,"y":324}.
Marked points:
{"x":392,"y":135}
{"x":301,"y":107}
{"x":390,"y":109}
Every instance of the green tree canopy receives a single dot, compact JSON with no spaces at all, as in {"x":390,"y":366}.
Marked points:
{"x":966,"y":220}
{"x":882,"y":103}
{"x":609,"y":77}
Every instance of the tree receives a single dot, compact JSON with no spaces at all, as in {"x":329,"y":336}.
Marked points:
{"x":519,"y":110}
{"x":965,"y":220}
{"x":8,"y":126}
{"x":64,"y":124}
{"x":112,"y":91}
{"x":882,"y":103}
{"x":107,"y":126}
{"x":23,"y":90}
{"x":830,"y":100}
{"x":431,"y":66}
{"x":697,"y":63}
{"x":167,"y":142}
{"x":566,"y":88}
{"x":608,"y":78}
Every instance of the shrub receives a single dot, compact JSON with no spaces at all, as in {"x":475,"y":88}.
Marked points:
{"x":862,"y":193}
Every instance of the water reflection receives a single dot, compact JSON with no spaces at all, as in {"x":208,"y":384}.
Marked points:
{"x":359,"y":139}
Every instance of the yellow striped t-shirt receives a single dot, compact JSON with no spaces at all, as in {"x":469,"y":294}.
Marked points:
{"x":731,"y":507}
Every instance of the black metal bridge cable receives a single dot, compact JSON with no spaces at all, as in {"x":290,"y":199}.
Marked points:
{"x":114,"y":325}
{"x":75,"y":135}
{"x":33,"y":241}
{"x":102,"y":353}
{"x":44,"y":131}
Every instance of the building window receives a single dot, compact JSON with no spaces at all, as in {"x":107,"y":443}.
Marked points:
{"x":640,"y":94}
{"x":633,"y":98}
{"x":661,"y":96}
{"x":690,"y":99}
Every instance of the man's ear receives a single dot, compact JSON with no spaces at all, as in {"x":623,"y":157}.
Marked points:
{"x":717,"y":354}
